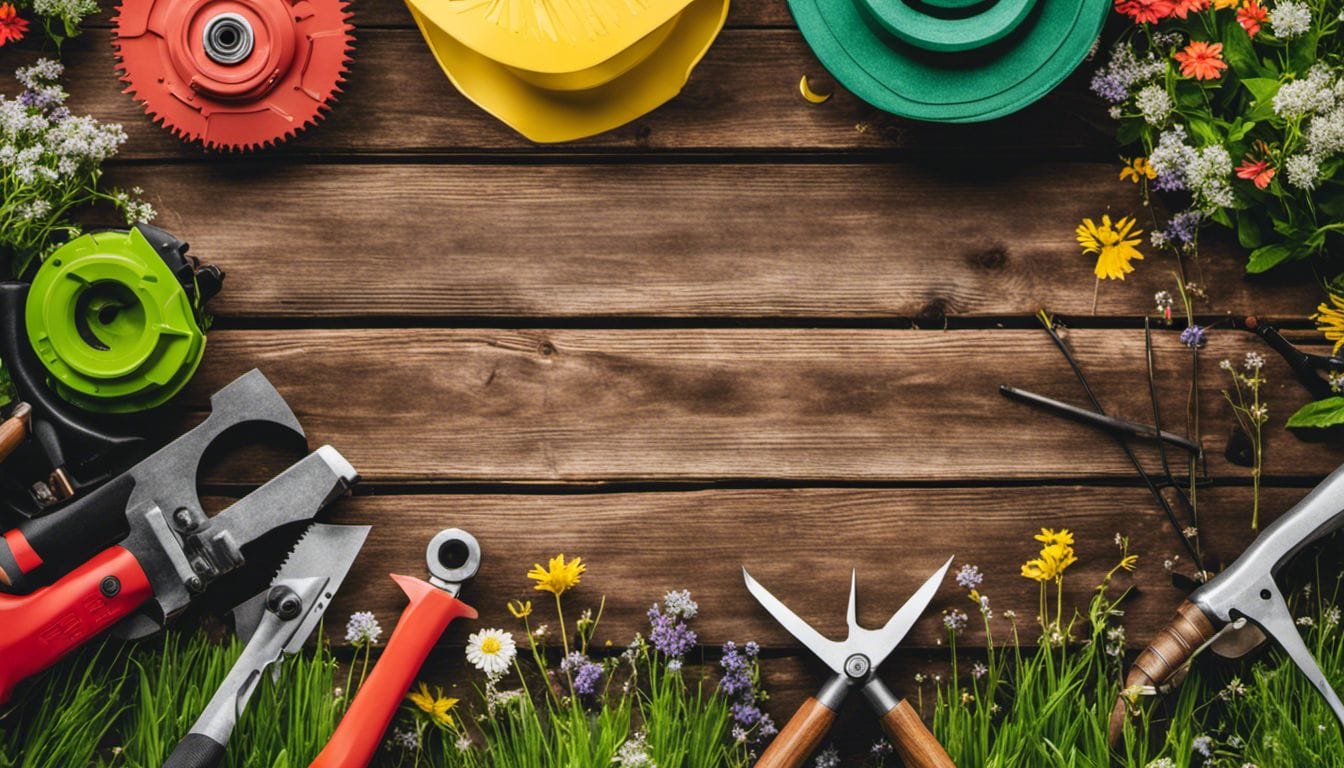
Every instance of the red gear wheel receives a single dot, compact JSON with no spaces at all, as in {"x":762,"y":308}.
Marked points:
{"x":234,"y":74}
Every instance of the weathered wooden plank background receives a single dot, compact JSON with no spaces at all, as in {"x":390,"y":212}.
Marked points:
{"x":742,"y":330}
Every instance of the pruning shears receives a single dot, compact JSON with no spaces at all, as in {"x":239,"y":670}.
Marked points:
{"x":453,"y":558}
{"x":1244,"y":603}
{"x":140,"y":548}
{"x":855,"y":663}
{"x":273,"y":624}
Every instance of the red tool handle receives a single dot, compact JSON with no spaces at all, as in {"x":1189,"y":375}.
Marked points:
{"x":419,"y":628}
{"x":41,"y":627}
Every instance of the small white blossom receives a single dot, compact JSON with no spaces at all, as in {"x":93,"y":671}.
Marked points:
{"x":1289,"y":19}
{"x":1303,"y":171}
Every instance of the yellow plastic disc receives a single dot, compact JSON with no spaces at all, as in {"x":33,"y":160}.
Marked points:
{"x":547,"y":36}
{"x":552,"y":104}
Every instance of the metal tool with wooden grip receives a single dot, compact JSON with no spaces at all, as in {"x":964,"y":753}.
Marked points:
{"x":453,"y":557}
{"x":855,"y":663}
{"x":1245,"y":600}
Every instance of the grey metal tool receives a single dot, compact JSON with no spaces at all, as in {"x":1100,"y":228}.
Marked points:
{"x":854,"y":663}
{"x":1246,"y":598}
{"x":144,"y":546}
{"x":275,"y":623}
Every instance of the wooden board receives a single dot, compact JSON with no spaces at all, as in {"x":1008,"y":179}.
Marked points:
{"x":800,"y":543}
{"x":426,"y":406}
{"x":405,"y":244}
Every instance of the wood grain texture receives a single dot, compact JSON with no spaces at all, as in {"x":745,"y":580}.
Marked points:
{"x":822,"y":405}
{"x":916,"y":746}
{"x":801,"y":544}
{"x":800,"y":736}
{"x":743,"y":97}
{"x":723,"y":241}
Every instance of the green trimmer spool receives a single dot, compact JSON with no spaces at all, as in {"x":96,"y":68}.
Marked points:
{"x":114,"y":317}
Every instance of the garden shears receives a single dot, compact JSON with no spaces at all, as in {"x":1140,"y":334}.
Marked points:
{"x":273,"y":624}
{"x":139,"y":549}
{"x":854,"y":662}
{"x":453,"y":557}
{"x":1244,"y":600}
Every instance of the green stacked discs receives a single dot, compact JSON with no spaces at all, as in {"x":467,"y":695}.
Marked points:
{"x":953,"y":61}
{"x":115,"y":330}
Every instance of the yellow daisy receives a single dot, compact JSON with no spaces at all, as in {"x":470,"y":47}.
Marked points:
{"x":1048,"y":536}
{"x":558,"y":577}
{"x":1330,"y":321}
{"x":1137,"y":170}
{"x":436,"y":706}
{"x":1113,"y":243}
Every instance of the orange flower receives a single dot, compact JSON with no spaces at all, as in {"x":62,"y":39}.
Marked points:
{"x":1251,"y":15}
{"x":1202,"y":61}
{"x":12,"y":28}
{"x":1183,"y":8}
{"x":1145,"y":11}
{"x":1258,"y":171}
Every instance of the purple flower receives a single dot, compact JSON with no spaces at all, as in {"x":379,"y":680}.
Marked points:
{"x":1193,"y":336}
{"x":746,"y":714}
{"x":1183,"y":227}
{"x":669,"y":635}
{"x":752,"y":649}
{"x":1110,"y":87}
{"x":585,"y":674}
{"x":1169,"y":181}
{"x":969,"y":576}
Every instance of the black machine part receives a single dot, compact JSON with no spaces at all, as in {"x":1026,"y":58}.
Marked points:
{"x":87,"y":449}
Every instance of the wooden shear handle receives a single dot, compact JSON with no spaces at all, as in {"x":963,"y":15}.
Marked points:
{"x":14,"y":430}
{"x":1165,"y":657}
{"x":800,"y":737}
{"x":913,"y":741}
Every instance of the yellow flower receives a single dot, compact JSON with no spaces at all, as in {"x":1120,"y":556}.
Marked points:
{"x":1129,"y":562}
{"x":1047,"y":536}
{"x":1225,"y":4}
{"x":1330,"y":321}
{"x":436,"y":706}
{"x":520,"y":609}
{"x":1113,"y":245}
{"x":1137,"y":169}
{"x":558,"y":577}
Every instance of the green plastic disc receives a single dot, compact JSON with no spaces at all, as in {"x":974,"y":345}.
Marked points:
{"x":950,"y":60}
{"x":115,"y":330}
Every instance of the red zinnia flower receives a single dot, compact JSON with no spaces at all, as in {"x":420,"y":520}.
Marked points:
{"x":1183,"y":8}
{"x":1251,"y":15}
{"x":1258,"y":171}
{"x":12,"y":28}
{"x":1202,"y":61}
{"x":1145,"y":11}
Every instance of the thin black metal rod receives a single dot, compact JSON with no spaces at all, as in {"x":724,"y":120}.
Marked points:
{"x":1124,"y":446}
{"x":1101,"y":420}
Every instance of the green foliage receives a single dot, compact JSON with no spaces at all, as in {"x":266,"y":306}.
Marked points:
{"x":129,"y":706}
{"x":1322,"y":413}
{"x":1234,"y":116}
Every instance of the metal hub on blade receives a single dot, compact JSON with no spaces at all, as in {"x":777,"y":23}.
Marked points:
{"x":234,"y":74}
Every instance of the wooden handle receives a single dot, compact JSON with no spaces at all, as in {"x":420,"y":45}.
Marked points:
{"x":913,"y":741}
{"x":14,"y":430}
{"x":1165,"y":657}
{"x":800,"y":737}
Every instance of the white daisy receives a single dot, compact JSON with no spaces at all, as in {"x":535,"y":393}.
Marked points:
{"x":491,"y":651}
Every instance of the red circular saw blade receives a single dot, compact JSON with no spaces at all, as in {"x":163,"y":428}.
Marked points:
{"x":287,"y":82}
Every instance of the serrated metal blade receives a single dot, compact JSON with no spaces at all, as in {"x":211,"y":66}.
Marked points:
{"x":323,"y":552}
{"x":297,"y":494}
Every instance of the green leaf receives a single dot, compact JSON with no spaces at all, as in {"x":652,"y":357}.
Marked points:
{"x":1239,"y":130}
{"x":1322,"y":413}
{"x":1262,"y":90}
{"x":1266,"y":258}
{"x":1130,"y":131}
{"x":1250,"y":233}
{"x":1239,"y":52}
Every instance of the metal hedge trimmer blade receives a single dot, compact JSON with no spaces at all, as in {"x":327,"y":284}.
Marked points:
{"x":234,"y":74}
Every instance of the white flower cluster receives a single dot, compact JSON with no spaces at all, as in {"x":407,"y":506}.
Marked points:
{"x":1289,"y":19}
{"x":1206,"y":172}
{"x":1313,"y":94}
{"x":70,"y":12}
{"x":1154,"y":103}
{"x":1318,"y":101}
